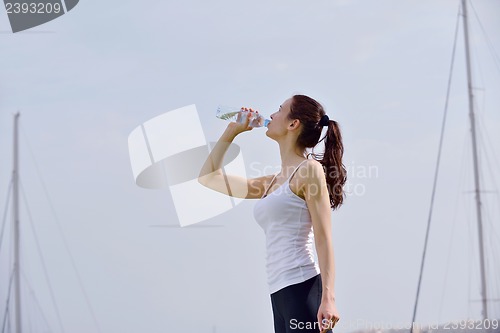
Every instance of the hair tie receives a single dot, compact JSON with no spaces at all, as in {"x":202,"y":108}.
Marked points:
{"x":324,"y":120}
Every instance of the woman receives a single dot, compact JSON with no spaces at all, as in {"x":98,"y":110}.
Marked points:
{"x":294,"y":210}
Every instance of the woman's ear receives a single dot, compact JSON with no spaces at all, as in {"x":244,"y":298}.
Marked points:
{"x":294,"y":124}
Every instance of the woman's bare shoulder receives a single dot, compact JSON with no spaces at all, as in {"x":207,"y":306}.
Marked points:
{"x":313,"y":171}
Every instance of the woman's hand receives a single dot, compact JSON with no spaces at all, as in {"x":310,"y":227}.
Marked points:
{"x":328,"y":315}
{"x":239,"y":126}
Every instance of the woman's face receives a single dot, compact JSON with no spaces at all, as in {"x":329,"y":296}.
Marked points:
{"x":279,"y":121}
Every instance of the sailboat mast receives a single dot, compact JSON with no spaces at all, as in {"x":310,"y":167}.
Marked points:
{"x":15,"y":204}
{"x":477,"y":189}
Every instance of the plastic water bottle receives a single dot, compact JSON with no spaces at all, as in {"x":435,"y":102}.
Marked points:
{"x":239,"y":115}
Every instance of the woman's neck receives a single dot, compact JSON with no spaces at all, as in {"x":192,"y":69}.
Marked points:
{"x":291,"y":156}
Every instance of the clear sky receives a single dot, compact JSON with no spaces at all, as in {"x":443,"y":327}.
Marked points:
{"x":84,"y":81}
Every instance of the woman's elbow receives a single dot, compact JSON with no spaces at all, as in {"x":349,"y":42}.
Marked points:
{"x":202,"y":179}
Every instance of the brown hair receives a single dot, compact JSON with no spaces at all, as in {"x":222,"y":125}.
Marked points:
{"x":309,"y":112}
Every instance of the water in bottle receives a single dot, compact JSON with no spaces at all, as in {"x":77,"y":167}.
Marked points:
{"x":239,"y":115}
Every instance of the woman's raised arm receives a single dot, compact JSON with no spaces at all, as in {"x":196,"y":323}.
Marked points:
{"x":211,"y":174}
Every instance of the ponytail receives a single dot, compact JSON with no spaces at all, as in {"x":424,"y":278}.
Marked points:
{"x":335,"y":172}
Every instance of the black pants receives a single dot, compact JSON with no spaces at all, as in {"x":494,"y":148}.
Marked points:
{"x":295,"y":308}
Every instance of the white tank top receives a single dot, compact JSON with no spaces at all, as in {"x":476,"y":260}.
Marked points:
{"x":287,"y":224}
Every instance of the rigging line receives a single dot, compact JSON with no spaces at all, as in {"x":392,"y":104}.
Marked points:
{"x":8,"y":324}
{"x":494,"y":240}
{"x":495,"y":189}
{"x":473,"y":250}
{"x":491,"y":259}
{"x":470,"y":260}
{"x":5,"y":213}
{"x":485,"y":139}
{"x":478,"y":81}
{"x":492,"y":234}
{"x":496,"y":59}
{"x":5,"y":318}
{"x":51,"y":291}
{"x":454,"y":223}
{"x":436,"y":170}
{"x":65,"y":242}
{"x":471,"y":255}
{"x":35,"y":298}
{"x":494,"y":276}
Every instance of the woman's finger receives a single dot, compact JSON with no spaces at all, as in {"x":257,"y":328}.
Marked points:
{"x":320,"y":318}
{"x":247,"y":120}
